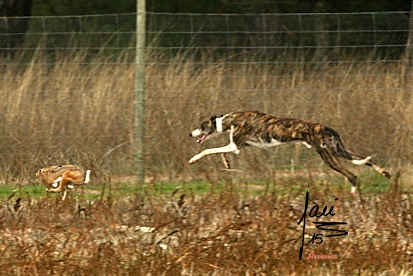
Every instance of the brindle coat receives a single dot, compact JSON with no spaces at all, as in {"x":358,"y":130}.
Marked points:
{"x":253,"y":128}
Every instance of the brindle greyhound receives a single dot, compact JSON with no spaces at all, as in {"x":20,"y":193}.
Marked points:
{"x":253,"y":128}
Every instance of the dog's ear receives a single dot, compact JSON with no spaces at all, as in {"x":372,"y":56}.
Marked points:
{"x":213,"y":118}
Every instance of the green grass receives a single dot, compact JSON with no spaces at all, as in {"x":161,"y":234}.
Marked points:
{"x":33,"y":191}
{"x":371,"y":183}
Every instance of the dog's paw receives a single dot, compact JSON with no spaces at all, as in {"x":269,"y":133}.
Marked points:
{"x":386,"y":174}
{"x":193,"y":160}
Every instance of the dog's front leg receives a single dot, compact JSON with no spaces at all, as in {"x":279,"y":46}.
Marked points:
{"x":232,"y":147}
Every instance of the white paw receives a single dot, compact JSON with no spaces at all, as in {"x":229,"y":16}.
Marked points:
{"x":193,"y":160}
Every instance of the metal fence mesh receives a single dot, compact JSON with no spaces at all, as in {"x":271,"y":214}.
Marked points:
{"x":281,"y":34}
{"x":67,"y":88}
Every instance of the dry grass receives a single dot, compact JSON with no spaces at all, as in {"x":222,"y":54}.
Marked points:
{"x":79,"y":109}
{"x":210,"y":234}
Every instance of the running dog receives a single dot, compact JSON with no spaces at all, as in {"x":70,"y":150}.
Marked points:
{"x":62,"y":178}
{"x":253,"y":128}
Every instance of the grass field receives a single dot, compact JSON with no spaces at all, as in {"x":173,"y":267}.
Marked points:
{"x":79,"y":108}
{"x":198,"y":219}
{"x":205,"y":229}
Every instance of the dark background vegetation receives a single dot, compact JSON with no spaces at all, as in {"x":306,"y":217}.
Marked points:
{"x":78,"y":7}
{"x":62,"y":7}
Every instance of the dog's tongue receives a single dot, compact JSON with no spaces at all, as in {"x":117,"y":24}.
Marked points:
{"x":201,"y":138}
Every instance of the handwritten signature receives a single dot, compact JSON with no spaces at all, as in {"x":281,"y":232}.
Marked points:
{"x":320,"y":225}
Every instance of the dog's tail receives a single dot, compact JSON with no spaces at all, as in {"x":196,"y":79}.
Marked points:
{"x":336,"y":144}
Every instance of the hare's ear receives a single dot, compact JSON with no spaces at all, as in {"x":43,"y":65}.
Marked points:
{"x":55,"y":168}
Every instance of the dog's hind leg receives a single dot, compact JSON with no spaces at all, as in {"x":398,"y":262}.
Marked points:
{"x":354,"y":158}
{"x":331,"y":160}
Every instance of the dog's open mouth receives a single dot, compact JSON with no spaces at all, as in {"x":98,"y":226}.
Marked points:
{"x":200,"y":138}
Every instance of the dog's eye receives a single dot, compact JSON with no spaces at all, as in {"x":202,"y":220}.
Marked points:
{"x":205,"y":125}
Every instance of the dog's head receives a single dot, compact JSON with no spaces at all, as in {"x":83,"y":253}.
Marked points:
{"x":206,"y":130}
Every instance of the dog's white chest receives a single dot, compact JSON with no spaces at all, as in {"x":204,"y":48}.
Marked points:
{"x":260,"y":143}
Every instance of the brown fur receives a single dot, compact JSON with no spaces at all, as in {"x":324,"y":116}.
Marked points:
{"x":69,"y":175}
{"x":253,"y":128}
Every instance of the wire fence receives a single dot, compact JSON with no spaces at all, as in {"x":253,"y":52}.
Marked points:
{"x":67,"y":88}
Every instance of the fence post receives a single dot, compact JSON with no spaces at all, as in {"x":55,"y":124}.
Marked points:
{"x":140,"y":89}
